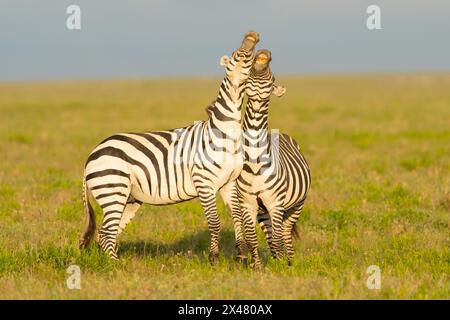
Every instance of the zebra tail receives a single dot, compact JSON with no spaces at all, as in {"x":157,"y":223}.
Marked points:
{"x":89,"y":218}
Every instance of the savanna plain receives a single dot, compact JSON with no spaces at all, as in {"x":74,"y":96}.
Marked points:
{"x":379,"y":151}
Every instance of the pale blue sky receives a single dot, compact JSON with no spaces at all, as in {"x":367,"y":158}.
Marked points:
{"x":137,"y":38}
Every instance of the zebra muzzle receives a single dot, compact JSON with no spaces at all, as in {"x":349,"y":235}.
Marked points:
{"x":250,"y":40}
{"x":263,"y":57}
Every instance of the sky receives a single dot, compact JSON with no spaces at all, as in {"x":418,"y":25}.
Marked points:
{"x":146,"y":38}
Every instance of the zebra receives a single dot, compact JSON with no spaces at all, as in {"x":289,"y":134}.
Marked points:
{"x":275,"y":178}
{"x":164,"y":167}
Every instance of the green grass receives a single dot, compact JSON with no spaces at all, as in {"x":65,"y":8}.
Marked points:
{"x":379,"y":151}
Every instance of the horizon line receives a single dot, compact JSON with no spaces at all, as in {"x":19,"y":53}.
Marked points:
{"x":215,"y":76}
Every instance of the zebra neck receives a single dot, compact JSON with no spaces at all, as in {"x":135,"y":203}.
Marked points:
{"x":225,"y":112}
{"x":257,"y":144}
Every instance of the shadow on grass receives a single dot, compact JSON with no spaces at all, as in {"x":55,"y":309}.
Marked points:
{"x":195,"y":244}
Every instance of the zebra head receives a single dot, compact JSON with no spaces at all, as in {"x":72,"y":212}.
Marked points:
{"x":238,"y":66}
{"x":260,"y":84}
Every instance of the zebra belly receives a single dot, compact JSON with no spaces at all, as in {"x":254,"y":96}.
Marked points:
{"x":156,"y":199}
{"x":176,"y":191}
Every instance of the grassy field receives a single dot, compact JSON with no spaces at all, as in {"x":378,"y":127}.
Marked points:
{"x":379,"y":151}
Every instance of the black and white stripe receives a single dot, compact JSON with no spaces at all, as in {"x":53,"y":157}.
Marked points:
{"x":165,"y":167}
{"x":275,"y":179}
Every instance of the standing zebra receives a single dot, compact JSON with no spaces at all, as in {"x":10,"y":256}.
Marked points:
{"x":165,"y":167}
{"x":275,"y":178}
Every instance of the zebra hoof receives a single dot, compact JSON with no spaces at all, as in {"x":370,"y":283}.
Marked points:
{"x":82,"y":244}
{"x":278,"y":257}
{"x":114,"y":257}
{"x":241,"y":259}
{"x":256,"y":266}
{"x":213,"y":258}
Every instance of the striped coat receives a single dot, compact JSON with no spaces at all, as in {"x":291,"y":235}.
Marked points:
{"x":165,"y":167}
{"x":275,"y":179}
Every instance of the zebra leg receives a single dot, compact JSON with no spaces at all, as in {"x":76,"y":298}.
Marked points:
{"x":288,"y":227}
{"x":249,"y":219}
{"x":107,"y":235}
{"x":276,"y":215}
{"x":208,"y":201}
{"x":113,"y":205}
{"x":266,"y":225}
{"x":229,"y":196}
{"x":128,"y":213}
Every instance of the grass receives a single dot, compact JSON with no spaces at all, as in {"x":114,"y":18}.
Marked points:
{"x":379,"y":151}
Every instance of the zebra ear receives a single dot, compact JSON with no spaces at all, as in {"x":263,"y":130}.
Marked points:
{"x":224,"y":61}
{"x":278,"y":91}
